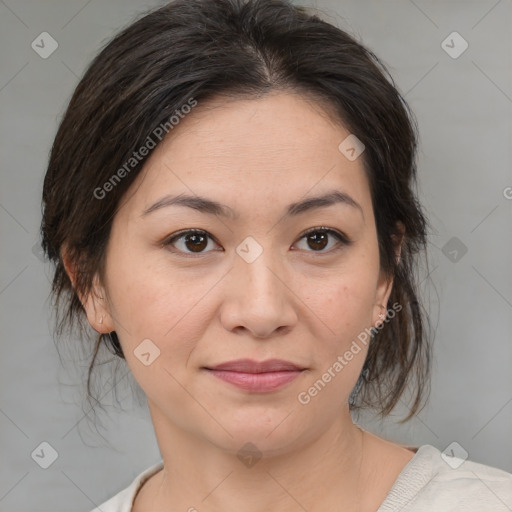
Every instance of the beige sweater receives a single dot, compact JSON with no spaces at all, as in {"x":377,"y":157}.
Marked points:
{"x":428,"y":483}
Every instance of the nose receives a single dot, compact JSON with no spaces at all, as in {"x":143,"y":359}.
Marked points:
{"x":259,"y":298}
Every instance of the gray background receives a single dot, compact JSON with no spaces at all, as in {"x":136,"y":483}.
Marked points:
{"x":464,"y":109}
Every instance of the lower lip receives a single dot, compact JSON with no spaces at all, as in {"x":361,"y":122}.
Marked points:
{"x":257,"y":382}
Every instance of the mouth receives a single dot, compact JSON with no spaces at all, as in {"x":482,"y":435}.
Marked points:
{"x":251,"y":366}
{"x":257,"y":377}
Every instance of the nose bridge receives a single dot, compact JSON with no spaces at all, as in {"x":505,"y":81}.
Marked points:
{"x":256,"y":265}
{"x":262,"y":302}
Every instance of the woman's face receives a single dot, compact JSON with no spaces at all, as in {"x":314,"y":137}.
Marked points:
{"x":250,"y":285}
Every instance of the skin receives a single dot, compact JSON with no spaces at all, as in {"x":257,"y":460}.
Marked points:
{"x":200,"y":309}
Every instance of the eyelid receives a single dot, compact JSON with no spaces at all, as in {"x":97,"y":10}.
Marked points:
{"x":339,"y":234}
{"x":342,"y":238}
{"x":176,"y":236}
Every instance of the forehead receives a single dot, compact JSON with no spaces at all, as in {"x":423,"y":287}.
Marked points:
{"x":270,"y":150}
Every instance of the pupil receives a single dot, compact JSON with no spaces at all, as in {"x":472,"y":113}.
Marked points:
{"x":194,"y":238}
{"x":319,"y":239}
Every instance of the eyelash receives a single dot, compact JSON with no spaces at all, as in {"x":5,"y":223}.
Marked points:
{"x":343,"y":240}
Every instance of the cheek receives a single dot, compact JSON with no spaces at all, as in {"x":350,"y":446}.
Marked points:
{"x":346,"y":309}
{"x":348,"y":313}
{"x":345,"y":300}
{"x":150,"y":303}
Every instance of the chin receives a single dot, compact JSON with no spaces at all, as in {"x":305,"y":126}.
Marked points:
{"x":270,"y":433}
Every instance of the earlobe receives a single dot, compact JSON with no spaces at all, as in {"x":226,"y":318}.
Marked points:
{"x":383,"y":293}
{"x":96,"y":307}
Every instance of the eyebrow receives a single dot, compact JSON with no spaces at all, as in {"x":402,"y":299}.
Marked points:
{"x":212,"y":207}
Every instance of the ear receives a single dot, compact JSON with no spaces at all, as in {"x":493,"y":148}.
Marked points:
{"x":95,"y":303}
{"x":385,"y":284}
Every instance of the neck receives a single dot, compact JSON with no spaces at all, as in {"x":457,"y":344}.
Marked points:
{"x":199,"y":475}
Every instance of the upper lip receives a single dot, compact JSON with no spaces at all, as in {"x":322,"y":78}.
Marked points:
{"x":251,"y":366}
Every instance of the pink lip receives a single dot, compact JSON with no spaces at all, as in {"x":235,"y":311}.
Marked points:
{"x":251,"y":366}
{"x":258,"y":377}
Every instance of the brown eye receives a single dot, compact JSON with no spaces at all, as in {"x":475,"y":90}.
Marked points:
{"x":190,"y":241}
{"x":196,"y":241}
{"x":318,"y":239}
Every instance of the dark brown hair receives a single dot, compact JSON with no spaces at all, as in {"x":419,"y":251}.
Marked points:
{"x":203,"y":49}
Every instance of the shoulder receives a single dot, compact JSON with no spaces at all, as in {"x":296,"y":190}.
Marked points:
{"x":123,"y":500}
{"x":471,"y":485}
{"x":434,"y":481}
